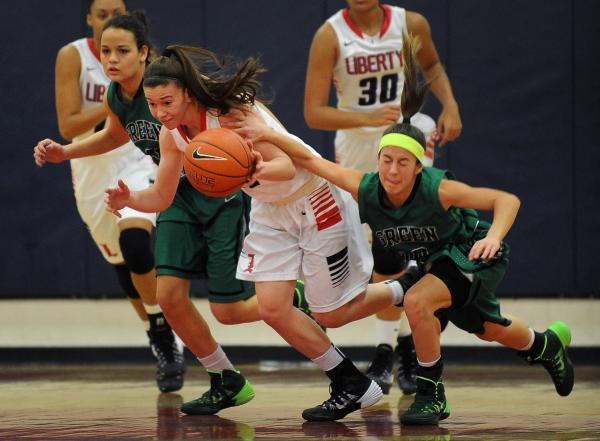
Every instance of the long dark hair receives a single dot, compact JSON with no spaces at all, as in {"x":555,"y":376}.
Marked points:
{"x":136,"y":23}
{"x":212,"y":82}
{"x":414,"y":92}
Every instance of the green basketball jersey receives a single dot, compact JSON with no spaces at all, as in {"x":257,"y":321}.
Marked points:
{"x":135,"y":117}
{"x":420,"y":229}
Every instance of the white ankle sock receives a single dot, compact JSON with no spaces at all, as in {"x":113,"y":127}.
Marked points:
{"x":428,"y":363}
{"x":397,"y":291}
{"x":386,"y":332}
{"x":152,"y":309}
{"x":216,"y":361}
{"x":404,"y":327}
{"x":531,"y":339}
{"x":329,"y":359}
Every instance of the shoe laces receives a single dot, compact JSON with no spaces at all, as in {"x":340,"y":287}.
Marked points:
{"x":554,"y":363}
{"x":427,"y":397}
{"x":217,"y":390}
{"x":165,"y":347}
{"x":339,"y":398}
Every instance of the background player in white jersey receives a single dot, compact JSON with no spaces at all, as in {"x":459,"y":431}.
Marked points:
{"x":300,"y":226}
{"x":125,"y":243}
{"x":359,"y":49}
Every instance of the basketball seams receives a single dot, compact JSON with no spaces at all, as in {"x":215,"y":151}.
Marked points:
{"x":226,"y":173}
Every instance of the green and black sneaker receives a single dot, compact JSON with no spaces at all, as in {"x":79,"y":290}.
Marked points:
{"x":430,"y":405}
{"x":555,"y":359}
{"x":228,"y":388}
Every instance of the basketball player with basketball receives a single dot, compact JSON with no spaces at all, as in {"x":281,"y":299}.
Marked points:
{"x":359,"y":50}
{"x":299,"y":224}
{"x":196,"y":236}
{"x":422,"y":210}
{"x":125,"y":243}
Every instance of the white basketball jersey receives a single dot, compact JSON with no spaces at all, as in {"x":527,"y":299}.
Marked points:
{"x":266,"y":191}
{"x":368,"y":71}
{"x":93,"y":82}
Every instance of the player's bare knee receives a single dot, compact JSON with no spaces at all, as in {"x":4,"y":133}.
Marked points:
{"x":272,"y":315}
{"x":169,"y":300}
{"x":414,"y":306}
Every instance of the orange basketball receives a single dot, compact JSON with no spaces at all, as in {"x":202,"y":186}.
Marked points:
{"x":217,"y":162}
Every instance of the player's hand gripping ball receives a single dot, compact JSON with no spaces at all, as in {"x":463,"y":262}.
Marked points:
{"x":218,"y":162}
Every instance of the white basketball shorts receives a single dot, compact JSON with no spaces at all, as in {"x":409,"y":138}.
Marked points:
{"x":317,"y":238}
{"x":93,"y":175}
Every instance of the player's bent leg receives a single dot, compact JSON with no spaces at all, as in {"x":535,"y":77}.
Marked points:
{"x":136,"y":246}
{"x":241,"y":311}
{"x":124,"y":278}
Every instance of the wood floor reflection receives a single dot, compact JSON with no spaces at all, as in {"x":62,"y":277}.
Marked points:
{"x":115,"y":402}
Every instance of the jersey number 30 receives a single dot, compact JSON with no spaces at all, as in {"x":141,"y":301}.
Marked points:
{"x":388,"y":92}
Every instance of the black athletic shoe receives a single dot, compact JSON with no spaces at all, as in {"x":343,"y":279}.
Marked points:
{"x":228,"y":388}
{"x":350,"y":390}
{"x":554,"y":357}
{"x":430,"y":405}
{"x":380,"y":369}
{"x":169,"y":357}
{"x":406,"y":375}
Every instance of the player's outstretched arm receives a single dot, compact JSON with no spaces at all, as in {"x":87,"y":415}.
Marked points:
{"x":159,"y":196}
{"x":109,"y":138}
{"x":250,"y":125}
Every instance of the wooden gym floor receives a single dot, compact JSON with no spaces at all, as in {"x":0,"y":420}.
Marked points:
{"x":120,"y":402}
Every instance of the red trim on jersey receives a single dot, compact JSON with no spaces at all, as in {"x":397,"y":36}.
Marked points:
{"x":202,"y":126}
{"x":183,"y":135}
{"x":90,"y":43}
{"x":387,"y":19}
{"x":203,"y":120}
{"x":350,"y":23}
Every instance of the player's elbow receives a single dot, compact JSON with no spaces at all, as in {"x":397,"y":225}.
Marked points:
{"x":288,"y":173}
{"x":311,"y":117}
{"x":66,"y":132}
{"x":515,"y":201}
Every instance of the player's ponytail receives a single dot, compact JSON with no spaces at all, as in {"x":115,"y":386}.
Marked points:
{"x":414,"y":91}
{"x":213,"y":83}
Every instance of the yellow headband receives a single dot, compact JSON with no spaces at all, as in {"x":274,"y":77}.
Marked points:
{"x":404,"y":142}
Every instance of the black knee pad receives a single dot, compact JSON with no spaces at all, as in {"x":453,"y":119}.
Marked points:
{"x":124,"y":277}
{"x":136,"y":248}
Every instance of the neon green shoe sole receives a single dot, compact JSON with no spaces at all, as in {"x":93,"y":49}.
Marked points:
{"x":244,"y":395}
{"x":562,"y":331}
